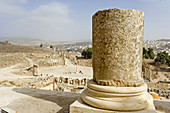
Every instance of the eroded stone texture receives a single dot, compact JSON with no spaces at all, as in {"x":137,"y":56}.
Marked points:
{"x":117,"y":47}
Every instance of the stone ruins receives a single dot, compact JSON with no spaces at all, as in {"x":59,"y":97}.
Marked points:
{"x":47,"y":59}
{"x":161,"y":88}
{"x":33,"y":70}
{"x":117,"y":83}
{"x":69,"y":81}
{"x":69,"y":84}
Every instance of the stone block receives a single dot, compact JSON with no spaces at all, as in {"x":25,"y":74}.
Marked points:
{"x":80,"y":107}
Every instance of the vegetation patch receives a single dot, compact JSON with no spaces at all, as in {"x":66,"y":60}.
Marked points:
{"x":87,"y":53}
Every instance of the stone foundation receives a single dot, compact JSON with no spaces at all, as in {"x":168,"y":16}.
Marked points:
{"x":116,"y":98}
{"x":80,"y":107}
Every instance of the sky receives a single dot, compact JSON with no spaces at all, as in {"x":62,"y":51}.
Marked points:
{"x":71,"y":20}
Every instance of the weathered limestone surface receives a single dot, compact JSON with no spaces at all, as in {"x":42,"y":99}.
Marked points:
{"x":117,"y":84}
{"x":116,"y":98}
{"x":80,"y":107}
{"x":117,"y":47}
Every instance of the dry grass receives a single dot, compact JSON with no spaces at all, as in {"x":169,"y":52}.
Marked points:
{"x":12,"y":83}
{"x":14,"y":54}
{"x":10,"y":59}
{"x":85,"y":62}
{"x":22,"y":49}
{"x":3,"y":81}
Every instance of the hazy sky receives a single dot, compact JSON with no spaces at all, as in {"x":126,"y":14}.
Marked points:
{"x":60,"y":20}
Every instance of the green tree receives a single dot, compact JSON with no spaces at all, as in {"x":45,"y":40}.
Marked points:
{"x":163,"y":57}
{"x":168,"y":60}
{"x":84,"y":53}
{"x":144,"y":51}
{"x":151,"y":53}
{"x":87,"y":53}
{"x":41,"y":45}
{"x":148,"y":54}
{"x":51,"y":46}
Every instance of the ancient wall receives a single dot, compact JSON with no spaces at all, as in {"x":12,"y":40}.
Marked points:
{"x":158,"y":85}
{"x":46,"y":59}
{"x":85,"y":62}
{"x":34,"y":83}
{"x":71,"y":81}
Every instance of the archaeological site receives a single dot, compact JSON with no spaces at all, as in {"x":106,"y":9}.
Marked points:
{"x":117,"y":71}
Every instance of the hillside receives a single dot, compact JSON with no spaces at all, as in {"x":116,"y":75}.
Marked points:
{"x":22,"y":49}
{"x":23,"y":55}
{"x":21,"y":40}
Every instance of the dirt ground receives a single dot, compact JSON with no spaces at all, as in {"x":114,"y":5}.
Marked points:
{"x":68,"y":70}
{"x":161,"y":72}
{"x":24,"y":100}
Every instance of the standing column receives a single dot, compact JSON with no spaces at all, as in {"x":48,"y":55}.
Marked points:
{"x":117,"y":47}
{"x":117,"y":62}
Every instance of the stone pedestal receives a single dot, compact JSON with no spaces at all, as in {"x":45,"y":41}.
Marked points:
{"x":117,"y":98}
{"x":80,"y":107}
{"x":117,"y":84}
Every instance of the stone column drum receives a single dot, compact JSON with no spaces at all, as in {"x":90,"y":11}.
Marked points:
{"x":117,"y":62}
{"x":117,"y":47}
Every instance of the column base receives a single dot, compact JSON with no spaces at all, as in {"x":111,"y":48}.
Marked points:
{"x":80,"y":107}
{"x":117,"y":98}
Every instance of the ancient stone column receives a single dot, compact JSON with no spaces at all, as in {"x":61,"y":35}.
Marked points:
{"x":35,"y":70}
{"x":117,"y":39}
{"x":117,"y":47}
